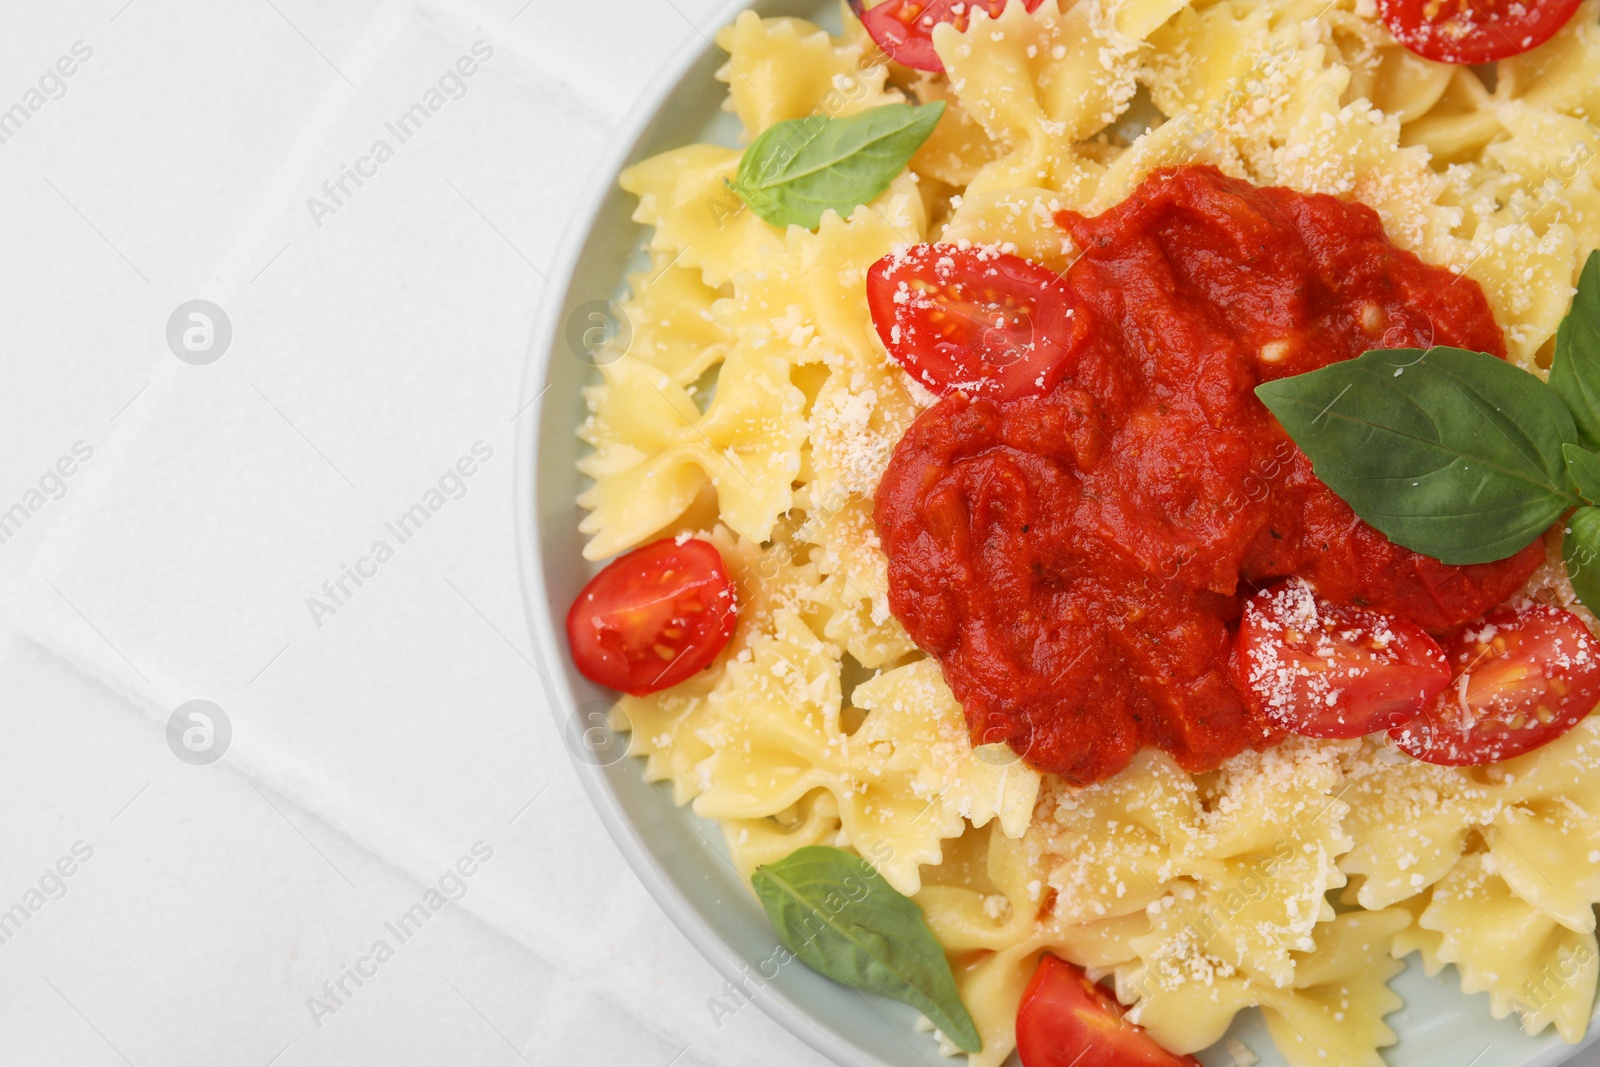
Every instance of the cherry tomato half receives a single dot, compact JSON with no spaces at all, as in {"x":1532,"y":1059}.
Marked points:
{"x":653,"y":617}
{"x":973,"y":320}
{"x":1474,"y":31}
{"x":1523,"y":678}
{"x":1065,"y":1020}
{"x":904,"y":28}
{"x":1325,"y":670}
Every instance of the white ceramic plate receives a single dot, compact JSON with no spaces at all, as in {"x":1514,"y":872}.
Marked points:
{"x":679,"y":857}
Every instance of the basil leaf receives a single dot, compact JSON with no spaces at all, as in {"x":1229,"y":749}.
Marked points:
{"x":1451,"y":453}
{"x":1583,"y":467}
{"x":1575,"y":374}
{"x":838,"y":915}
{"x":796,"y":170}
{"x":1581,"y":550}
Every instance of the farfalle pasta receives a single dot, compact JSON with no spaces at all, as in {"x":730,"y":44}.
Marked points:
{"x":756,"y":407}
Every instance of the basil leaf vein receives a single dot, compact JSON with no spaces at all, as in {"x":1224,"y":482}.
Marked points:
{"x":795,"y":171}
{"x":1575,"y":374}
{"x":838,"y":916}
{"x":1454,"y":454}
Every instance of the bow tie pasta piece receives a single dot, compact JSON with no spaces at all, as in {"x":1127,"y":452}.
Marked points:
{"x":775,"y":731}
{"x":1037,"y":83}
{"x":1335,"y":1012}
{"x":984,"y":894}
{"x":1400,"y":82}
{"x":848,"y":616}
{"x":1526,"y":961}
{"x":669,"y":314}
{"x":1138,"y":19}
{"x":854,"y":595}
{"x":1332,"y":1012}
{"x":915,"y":728}
{"x":1265,"y":878}
{"x":859,"y":415}
{"x":665,"y":728}
{"x":1512,"y":915}
{"x":1549,"y":855}
{"x":786,"y":68}
{"x":1258,"y":879}
{"x":1523,"y":252}
{"x":1409,"y":821}
{"x":1110,"y":844}
{"x":903,"y":782}
{"x":1207,"y":66}
{"x":1020,"y":220}
{"x":1527,"y":277}
{"x":1563,"y":150}
{"x":1180,"y":992}
{"x":1412,"y":822}
{"x":959,"y":147}
{"x":1545,"y":840}
{"x":753,"y":843}
{"x":1462,"y":121}
{"x":804,"y":297}
{"x":654,"y":451}
{"x":695,"y":219}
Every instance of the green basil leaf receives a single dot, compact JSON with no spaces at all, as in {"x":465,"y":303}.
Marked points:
{"x":1581,"y":549}
{"x":1583,"y":467}
{"x":1451,"y":453}
{"x":1575,"y":374}
{"x":796,"y":170}
{"x":838,"y":915}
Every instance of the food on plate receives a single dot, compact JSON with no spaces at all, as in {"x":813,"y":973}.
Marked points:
{"x":1119,"y":489}
{"x":904,"y":28}
{"x":654,"y":617}
{"x":1474,"y":31}
{"x":1065,"y":1020}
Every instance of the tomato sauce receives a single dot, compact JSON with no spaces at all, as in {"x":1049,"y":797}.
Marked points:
{"x":1077,"y":561}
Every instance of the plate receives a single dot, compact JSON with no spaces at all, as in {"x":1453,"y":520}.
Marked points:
{"x":678,"y":856}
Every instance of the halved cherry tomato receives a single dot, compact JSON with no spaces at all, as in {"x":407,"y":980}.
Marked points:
{"x":653,"y":617}
{"x":973,"y":320}
{"x":1474,"y":31}
{"x":1523,"y":678}
{"x":1065,"y":1020}
{"x":1325,"y":670}
{"x":904,"y":28}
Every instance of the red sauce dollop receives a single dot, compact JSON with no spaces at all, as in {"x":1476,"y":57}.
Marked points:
{"x":1077,"y":560}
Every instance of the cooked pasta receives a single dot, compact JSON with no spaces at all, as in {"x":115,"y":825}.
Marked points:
{"x":756,"y":407}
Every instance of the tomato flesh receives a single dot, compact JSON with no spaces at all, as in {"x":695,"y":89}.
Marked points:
{"x":1474,"y":31}
{"x":970,"y":320}
{"x":1065,"y":1020}
{"x":1325,"y":670}
{"x":653,"y":617}
{"x":1523,"y":677}
{"x":904,"y":28}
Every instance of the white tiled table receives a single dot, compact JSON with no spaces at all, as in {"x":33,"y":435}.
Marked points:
{"x":370,"y":753}
{"x":372,"y":347}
